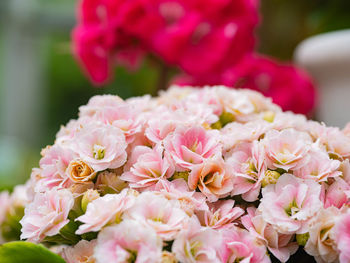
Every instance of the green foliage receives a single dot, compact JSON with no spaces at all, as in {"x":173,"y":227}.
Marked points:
{"x":25,"y":252}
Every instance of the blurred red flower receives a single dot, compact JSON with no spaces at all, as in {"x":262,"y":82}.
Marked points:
{"x":198,"y":36}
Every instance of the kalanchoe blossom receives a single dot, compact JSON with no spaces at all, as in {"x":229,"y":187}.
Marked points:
{"x":128,"y":242}
{"x":105,"y":210}
{"x":212,"y":177}
{"x":220,"y":214}
{"x":246,"y":161}
{"x":82,"y":252}
{"x":190,"y":201}
{"x":290,"y":204}
{"x":53,"y":168}
{"x":240,"y":245}
{"x":149,"y":166}
{"x":190,"y":146}
{"x":163,"y":215}
{"x":321,"y":242}
{"x":100,"y":146}
{"x":279,"y":245}
{"x":319,"y":167}
{"x":46,"y":215}
{"x":198,"y":244}
{"x":285,"y":153}
{"x":337,"y":194}
{"x":342,"y":236}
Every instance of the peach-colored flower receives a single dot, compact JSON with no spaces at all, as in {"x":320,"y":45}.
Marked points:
{"x":128,"y":242}
{"x":212,"y":178}
{"x":46,"y":215}
{"x":79,"y":172}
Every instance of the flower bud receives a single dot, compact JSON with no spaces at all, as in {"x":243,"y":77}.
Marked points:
{"x":168,"y":257}
{"x":302,"y":239}
{"x":89,"y":196}
{"x":110,"y":183}
{"x":226,"y":117}
{"x":269,"y":116}
{"x":183,"y":175}
{"x":270,"y":177}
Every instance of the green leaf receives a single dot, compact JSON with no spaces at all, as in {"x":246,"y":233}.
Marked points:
{"x":25,"y":252}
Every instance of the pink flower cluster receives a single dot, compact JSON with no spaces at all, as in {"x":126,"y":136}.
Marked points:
{"x":193,"y":175}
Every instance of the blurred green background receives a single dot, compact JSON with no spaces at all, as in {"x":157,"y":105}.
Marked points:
{"x":41,"y":85}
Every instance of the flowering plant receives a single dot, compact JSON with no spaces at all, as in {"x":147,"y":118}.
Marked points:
{"x":193,"y":175}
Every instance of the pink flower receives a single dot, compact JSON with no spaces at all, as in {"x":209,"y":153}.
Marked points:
{"x":82,"y":252}
{"x":105,"y":210}
{"x":290,"y":203}
{"x":246,"y":161}
{"x":319,"y":167}
{"x":165,"y":216}
{"x":46,"y":215}
{"x":336,"y":142}
{"x":342,"y":237}
{"x":118,"y":114}
{"x":242,"y":246}
{"x":280,"y":245}
{"x":321,"y":242}
{"x":150,"y":166}
{"x":190,"y":201}
{"x":53,"y":167}
{"x":128,"y":242}
{"x":98,"y":103}
{"x":189,"y":146}
{"x":213,"y":179}
{"x":220,"y":214}
{"x":337,"y":194}
{"x":100,"y":146}
{"x":287,"y":149}
{"x":198,"y":244}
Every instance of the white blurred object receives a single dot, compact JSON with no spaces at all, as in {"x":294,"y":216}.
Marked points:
{"x":327,"y":58}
